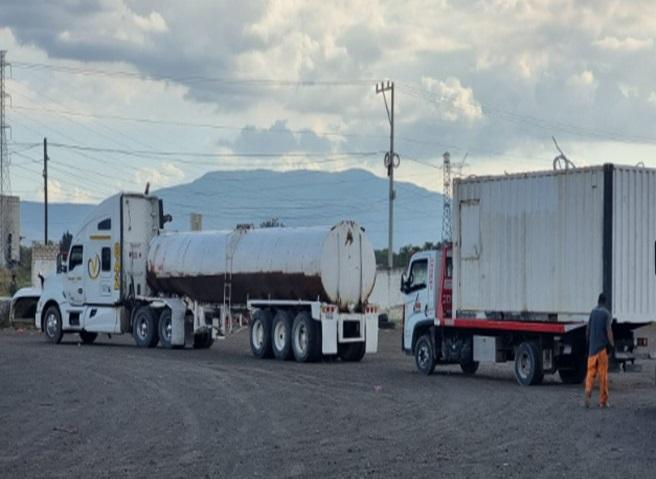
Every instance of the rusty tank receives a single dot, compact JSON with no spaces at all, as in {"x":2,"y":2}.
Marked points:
{"x":334,"y":264}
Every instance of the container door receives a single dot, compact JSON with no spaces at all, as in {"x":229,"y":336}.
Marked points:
{"x":416,"y":297}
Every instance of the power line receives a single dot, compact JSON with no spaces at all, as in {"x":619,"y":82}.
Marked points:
{"x":194,"y":78}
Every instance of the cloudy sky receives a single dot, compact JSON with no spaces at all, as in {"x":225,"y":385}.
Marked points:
{"x":163,"y":91}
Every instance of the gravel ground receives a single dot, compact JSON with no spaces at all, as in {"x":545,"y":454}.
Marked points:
{"x":113,"y":410}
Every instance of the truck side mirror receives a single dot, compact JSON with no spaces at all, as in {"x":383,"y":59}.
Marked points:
{"x":62,"y":266}
{"x":402,"y":282}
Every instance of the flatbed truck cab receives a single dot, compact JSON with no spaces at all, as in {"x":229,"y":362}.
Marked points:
{"x":434,"y":335}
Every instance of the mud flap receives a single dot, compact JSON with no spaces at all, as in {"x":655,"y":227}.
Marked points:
{"x":328,"y":336}
{"x":371,"y":333}
{"x":178,"y":312}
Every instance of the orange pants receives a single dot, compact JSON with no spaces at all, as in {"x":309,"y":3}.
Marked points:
{"x":598,"y":364}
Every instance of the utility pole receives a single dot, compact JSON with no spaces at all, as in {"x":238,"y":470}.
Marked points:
{"x":45,"y":190}
{"x":5,"y":184}
{"x":392,"y":161}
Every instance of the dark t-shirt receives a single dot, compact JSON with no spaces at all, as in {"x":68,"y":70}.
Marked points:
{"x":598,"y":330}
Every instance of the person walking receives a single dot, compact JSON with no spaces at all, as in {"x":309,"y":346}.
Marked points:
{"x":599,"y":335}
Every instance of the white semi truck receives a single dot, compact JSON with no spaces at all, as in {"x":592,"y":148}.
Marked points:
{"x":530,"y":255}
{"x":305,"y":290}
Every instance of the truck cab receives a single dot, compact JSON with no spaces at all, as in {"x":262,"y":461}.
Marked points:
{"x":103,"y":271}
{"x":426,"y":287}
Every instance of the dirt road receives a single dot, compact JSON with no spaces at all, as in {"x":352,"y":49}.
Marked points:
{"x":113,"y":410}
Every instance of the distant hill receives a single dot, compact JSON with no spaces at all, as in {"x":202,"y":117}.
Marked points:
{"x":297,"y":198}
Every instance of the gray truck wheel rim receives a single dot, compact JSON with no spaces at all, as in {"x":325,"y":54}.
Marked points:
{"x":524,"y":365}
{"x":142,"y":328}
{"x":280,"y":335}
{"x":422,"y":355}
{"x":51,"y":325}
{"x":301,"y":339}
{"x":257,"y":336}
{"x":167,"y":329}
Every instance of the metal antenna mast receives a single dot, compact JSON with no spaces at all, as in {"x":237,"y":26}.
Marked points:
{"x":392,"y":161}
{"x":446,"y":195}
{"x":447,"y":169}
{"x":5,"y":184}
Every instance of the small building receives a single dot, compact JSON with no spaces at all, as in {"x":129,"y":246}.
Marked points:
{"x":44,"y":261}
{"x":9,"y":230}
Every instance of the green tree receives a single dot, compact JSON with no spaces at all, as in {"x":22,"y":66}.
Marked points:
{"x":272,"y":223}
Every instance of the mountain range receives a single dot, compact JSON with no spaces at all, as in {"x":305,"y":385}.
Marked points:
{"x":296,"y":198}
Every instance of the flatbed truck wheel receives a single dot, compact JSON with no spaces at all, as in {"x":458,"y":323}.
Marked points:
{"x":469,"y":368}
{"x":528,"y":364}
{"x":281,"y":336}
{"x":351,"y":352}
{"x":306,"y":338}
{"x":425,"y":355}
{"x":260,"y":334}
{"x":144,"y":327}
{"x":86,"y":337}
{"x":52,"y":324}
{"x":576,"y":373}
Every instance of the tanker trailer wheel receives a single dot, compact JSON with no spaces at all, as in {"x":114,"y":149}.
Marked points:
{"x":281,"y":335}
{"x":260,"y":334}
{"x":86,"y":337}
{"x":424,"y":355}
{"x":528,"y":364}
{"x":306,"y":338}
{"x":144,"y":327}
{"x":52,"y":324}
{"x":351,"y":351}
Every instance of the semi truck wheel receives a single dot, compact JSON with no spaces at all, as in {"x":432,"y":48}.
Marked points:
{"x":144,"y":328}
{"x":203,"y":340}
{"x":165,"y":328}
{"x":528,"y":364}
{"x":260,"y":334}
{"x":306,"y":338}
{"x":351,"y":351}
{"x":52,"y":324}
{"x":87,"y":338}
{"x":469,"y":368}
{"x":281,"y":339}
{"x":424,"y":355}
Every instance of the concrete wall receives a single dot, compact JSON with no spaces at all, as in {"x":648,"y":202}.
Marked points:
{"x":387,"y":294}
{"x":10,"y":225}
{"x":44,"y":261}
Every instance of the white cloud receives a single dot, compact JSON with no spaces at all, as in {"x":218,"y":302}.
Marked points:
{"x":457,"y":102}
{"x":59,"y":193}
{"x":151,"y":23}
{"x":626,"y":44}
{"x":161,"y":176}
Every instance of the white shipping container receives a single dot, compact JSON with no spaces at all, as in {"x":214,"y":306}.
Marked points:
{"x":550,"y":242}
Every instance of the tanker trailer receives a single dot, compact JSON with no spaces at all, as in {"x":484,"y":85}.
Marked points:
{"x":304,"y":290}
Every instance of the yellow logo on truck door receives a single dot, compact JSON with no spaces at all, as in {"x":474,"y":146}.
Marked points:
{"x":93,"y":267}
{"x":117,"y":265}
